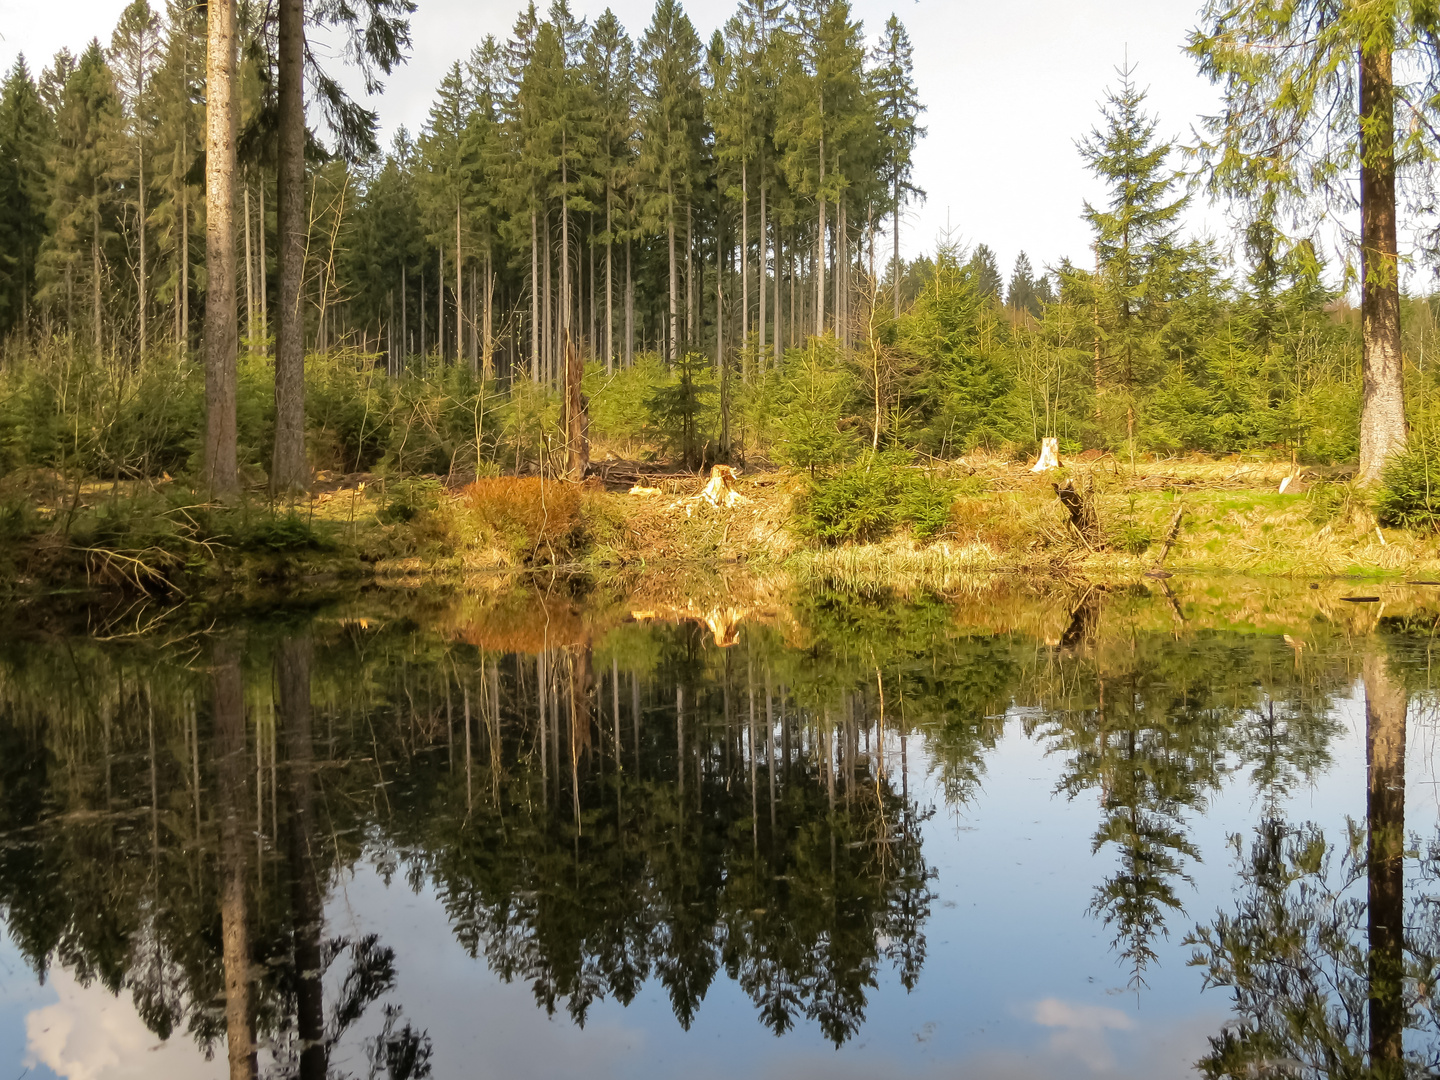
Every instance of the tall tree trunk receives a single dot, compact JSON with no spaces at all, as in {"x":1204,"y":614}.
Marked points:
{"x":1382,"y":407}
{"x":459,"y":290}
{"x":763,"y":275}
{"x":820,"y":233}
{"x":289,"y":472}
{"x":744,"y":266}
{"x":779,"y":322}
{"x":691,"y":327}
{"x":577,"y":435}
{"x":674,"y":283}
{"x":1385,"y":708}
{"x":895,"y":266}
{"x":144,"y":282}
{"x":263,"y":282}
{"x":249,"y":275}
{"x":629,"y":310}
{"x":487,"y":368}
{"x":565,"y":334}
{"x":440,"y":303}
{"x":97,"y":309}
{"x":292,"y":679}
{"x":609,"y":288}
{"x":534,"y":299}
{"x":221,"y":474}
{"x":842,"y":274}
{"x":232,"y":798}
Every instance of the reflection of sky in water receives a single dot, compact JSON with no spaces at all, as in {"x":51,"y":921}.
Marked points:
{"x":1019,"y":981}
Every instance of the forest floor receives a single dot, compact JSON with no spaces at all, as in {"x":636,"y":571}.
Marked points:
{"x":670,"y":543}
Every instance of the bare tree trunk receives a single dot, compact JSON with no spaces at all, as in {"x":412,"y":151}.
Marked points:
{"x":629,"y":311}
{"x":744,"y":265}
{"x":459,"y":291}
{"x":672,"y":352}
{"x":98,"y":311}
{"x":1385,"y":707}
{"x":534,"y":299}
{"x":221,"y":475}
{"x":263,"y":281}
{"x":895,"y":267}
{"x":292,"y":679}
{"x":249,"y":275}
{"x":144,"y":283}
{"x":289,"y":472}
{"x":779,"y":322}
{"x":609,"y":288}
{"x":487,"y":367}
{"x":232,"y":798}
{"x":762,"y":278}
{"x":440,"y":303}
{"x":1382,"y":408}
{"x":577,"y":435}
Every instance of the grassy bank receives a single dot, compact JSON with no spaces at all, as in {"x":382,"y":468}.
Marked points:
{"x":981,"y":518}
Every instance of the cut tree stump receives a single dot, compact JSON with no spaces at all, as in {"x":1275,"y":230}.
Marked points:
{"x":1049,"y":456}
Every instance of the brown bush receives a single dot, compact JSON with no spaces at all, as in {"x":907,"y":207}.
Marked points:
{"x":991,"y":520}
{"x":527,"y":515}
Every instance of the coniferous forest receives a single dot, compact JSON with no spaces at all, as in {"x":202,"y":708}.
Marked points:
{"x":679,"y":250}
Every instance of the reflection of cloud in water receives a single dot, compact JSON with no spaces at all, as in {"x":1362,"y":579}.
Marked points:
{"x":90,"y":1034}
{"x":1142,"y":1051}
{"x":1080,"y":1030}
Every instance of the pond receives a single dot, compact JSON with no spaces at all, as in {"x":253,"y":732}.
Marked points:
{"x":1064,"y":832}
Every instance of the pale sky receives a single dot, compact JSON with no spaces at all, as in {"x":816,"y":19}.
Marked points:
{"x":1009,"y":85}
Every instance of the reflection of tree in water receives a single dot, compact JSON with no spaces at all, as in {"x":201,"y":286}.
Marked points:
{"x":593,"y":815}
{"x":144,"y":847}
{"x":722,"y":825}
{"x":1327,"y":965}
{"x":1155,"y":729}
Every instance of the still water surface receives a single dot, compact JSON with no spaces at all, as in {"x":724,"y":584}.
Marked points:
{"x":518,"y":836}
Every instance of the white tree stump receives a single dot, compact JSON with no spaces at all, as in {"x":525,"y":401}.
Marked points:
{"x":1049,"y":456}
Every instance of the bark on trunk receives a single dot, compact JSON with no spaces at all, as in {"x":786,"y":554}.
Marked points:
{"x":289,"y":472}
{"x":1382,"y":407}
{"x":221,"y":473}
{"x":674,"y":285}
{"x":1385,"y":708}
{"x":577,"y":435}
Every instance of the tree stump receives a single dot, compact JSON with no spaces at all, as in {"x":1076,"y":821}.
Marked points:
{"x":1081,"y":507}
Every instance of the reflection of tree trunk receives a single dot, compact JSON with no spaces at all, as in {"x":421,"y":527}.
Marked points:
{"x":1385,"y":703}
{"x":292,"y":677}
{"x":232,"y":797}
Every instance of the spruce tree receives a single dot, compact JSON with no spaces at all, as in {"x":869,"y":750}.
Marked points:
{"x":985,"y":272}
{"x":87,"y":163}
{"x":609,"y":66}
{"x":25,"y":133}
{"x":897,"y":102}
{"x":134,"y":55}
{"x":1135,"y":234}
{"x":671,"y":132}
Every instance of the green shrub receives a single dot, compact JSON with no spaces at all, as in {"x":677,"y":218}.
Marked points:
{"x":408,"y":499}
{"x":872,"y":498}
{"x":1409,"y":495}
{"x":856,"y":505}
{"x":278,"y":532}
{"x":924,"y":504}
